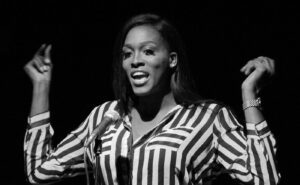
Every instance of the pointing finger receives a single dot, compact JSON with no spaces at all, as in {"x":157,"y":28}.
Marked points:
{"x":47,"y":59}
{"x":39,"y":51}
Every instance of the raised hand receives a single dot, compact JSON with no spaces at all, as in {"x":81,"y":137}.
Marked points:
{"x":39,"y":68}
{"x":258,"y":71}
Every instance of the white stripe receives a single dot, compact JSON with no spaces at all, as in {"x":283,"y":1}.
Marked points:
{"x":103,"y":169}
{"x":208,"y":112}
{"x":135,"y":166}
{"x":39,"y":149}
{"x":91,"y":121}
{"x":168,"y":139}
{"x":183,"y":118}
{"x":252,"y":161}
{"x":263,"y":162}
{"x":155,"y":167}
{"x":145,"y":167}
{"x":38,"y":117}
{"x":124,"y":146}
{"x":167,"y":126}
{"x":194,"y":117}
{"x":274,"y":171}
{"x":67,"y":147}
{"x":112,"y":161}
{"x":261,"y":125}
{"x":231,"y":142}
{"x":154,"y":147}
{"x":167,"y":165}
{"x":203,"y":121}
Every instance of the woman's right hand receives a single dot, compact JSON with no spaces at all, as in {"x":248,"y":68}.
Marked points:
{"x":39,"y":68}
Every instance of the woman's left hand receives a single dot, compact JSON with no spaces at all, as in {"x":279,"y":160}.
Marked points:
{"x":258,"y":71}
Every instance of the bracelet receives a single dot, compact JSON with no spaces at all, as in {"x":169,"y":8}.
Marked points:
{"x":252,"y":103}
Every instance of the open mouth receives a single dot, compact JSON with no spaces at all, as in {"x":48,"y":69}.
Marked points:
{"x":139,"y":77}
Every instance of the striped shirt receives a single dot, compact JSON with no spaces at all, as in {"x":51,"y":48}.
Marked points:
{"x":191,"y":145}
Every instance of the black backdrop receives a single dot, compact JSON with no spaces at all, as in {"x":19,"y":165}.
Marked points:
{"x":220,"y":36}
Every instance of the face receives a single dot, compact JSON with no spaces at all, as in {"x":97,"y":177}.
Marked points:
{"x":146,"y":60}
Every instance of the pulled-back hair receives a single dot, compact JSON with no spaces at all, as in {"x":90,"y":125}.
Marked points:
{"x":181,"y":82}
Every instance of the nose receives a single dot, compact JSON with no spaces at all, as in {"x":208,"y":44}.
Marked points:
{"x":137,"y":61}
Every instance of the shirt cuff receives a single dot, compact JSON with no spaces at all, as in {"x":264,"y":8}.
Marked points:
{"x":260,"y":129}
{"x":38,"y":120}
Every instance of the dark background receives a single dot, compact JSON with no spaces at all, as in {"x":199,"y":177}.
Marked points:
{"x":220,"y":37}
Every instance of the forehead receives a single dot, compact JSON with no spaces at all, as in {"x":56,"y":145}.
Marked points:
{"x":143,"y":34}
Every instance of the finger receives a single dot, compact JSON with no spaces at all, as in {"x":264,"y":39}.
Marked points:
{"x":272,"y":66}
{"x":40,"y":50}
{"x":38,"y":64}
{"x":245,"y":67}
{"x":47,"y":59}
{"x":268,"y":64}
{"x":250,"y":66}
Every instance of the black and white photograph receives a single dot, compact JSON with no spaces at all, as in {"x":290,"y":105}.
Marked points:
{"x":150,"y":92}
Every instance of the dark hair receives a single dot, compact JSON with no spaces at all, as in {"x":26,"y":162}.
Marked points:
{"x":181,"y":82}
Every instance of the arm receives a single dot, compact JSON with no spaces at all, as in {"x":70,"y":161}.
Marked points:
{"x":39,"y":70}
{"x":42,"y":163}
{"x":251,"y":159}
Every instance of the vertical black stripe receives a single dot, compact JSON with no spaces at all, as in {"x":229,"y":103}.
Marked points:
{"x":108,"y":169}
{"x":270,"y":169}
{"x":45,"y":146}
{"x":140,"y":165}
{"x":161,"y":165}
{"x":33,"y":150}
{"x":172,"y":167}
{"x":95,"y":117}
{"x":122,"y":163}
{"x":150,"y":168}
{"x":257,"y":163}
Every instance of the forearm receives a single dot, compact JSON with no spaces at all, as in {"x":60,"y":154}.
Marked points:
{"x":40,"y":98}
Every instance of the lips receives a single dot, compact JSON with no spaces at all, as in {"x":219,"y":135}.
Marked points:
{"x":139,"y":77}
{"x":139,"y":74}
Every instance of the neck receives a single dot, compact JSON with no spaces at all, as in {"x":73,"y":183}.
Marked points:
{"x":149,"y":106}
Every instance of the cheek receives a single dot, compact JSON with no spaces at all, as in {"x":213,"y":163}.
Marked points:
{"x":125,"y":66}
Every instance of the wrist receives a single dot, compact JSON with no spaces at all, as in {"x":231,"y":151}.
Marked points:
{"x":41,"y":88}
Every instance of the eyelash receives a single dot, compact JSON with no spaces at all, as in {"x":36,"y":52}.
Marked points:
{"x":149,"y":52}
{"x":126,"y":55}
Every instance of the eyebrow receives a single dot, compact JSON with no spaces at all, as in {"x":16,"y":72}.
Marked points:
{"x":141,"y":44}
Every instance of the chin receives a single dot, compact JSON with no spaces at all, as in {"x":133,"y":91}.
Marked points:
{"x":141,"y":91}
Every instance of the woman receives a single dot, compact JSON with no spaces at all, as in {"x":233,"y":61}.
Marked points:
{"x":166,"y":134}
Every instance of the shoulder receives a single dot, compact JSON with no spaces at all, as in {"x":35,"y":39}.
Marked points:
{"x":215,"y":113}
{"x":209,"y":106}
{"x":99,"y":110}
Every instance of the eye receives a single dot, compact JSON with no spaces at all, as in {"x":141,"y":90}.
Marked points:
{"x":126,"y":54}
{"x":149,"y":52}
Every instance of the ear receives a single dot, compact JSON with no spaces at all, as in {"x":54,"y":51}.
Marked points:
{"x":173,"y":60}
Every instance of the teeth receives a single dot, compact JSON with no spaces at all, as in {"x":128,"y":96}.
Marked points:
{"x":139,"y":74}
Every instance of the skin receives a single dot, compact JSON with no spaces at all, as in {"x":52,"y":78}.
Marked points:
{"x":155,"y":96}
{"x":145,"y":50}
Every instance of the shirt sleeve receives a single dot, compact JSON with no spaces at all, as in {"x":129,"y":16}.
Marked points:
{"x":250,"y":158}
{"x":43,"y":164}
